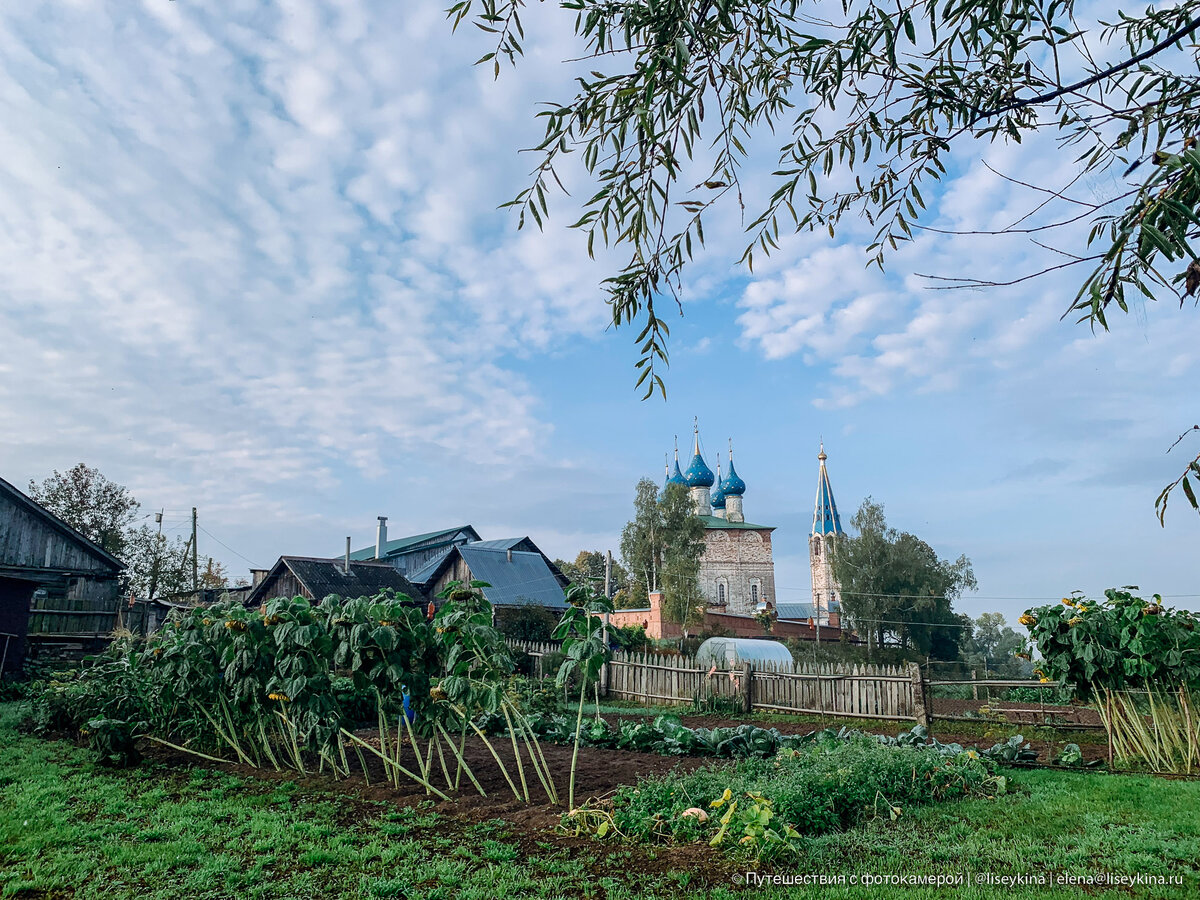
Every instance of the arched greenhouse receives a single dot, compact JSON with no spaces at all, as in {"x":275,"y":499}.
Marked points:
{"x":732,"y":653}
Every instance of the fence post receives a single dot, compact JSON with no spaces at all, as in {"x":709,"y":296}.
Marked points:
{"x":974,"y":687}
{"x":920,"y":694}
{"x":747,"y":697}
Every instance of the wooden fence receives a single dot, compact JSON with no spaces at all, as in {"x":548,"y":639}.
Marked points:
{"x":860,"y":691}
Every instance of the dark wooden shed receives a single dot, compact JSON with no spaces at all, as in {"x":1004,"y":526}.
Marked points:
{"x":315,"y":579}
{"x":58,"y":590}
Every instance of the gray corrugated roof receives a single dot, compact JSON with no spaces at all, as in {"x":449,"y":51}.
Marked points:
{"x":799,"y":611}
{"x":523,"y":580}
{"x":429,"y":570}
{"x":412,"y":542}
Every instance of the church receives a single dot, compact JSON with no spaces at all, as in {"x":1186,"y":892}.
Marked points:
{"x":737,"y":569}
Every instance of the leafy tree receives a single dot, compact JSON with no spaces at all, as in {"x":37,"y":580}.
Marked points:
{"x":896,"y":590}
{"x":99,"y":509}
{"x":588,"y":568}
{"x":874,"y":98}
{"x":156,"y":565}
{"x":213,"y":575}
{"x":993,"y":643}
{"x":661,"y":547}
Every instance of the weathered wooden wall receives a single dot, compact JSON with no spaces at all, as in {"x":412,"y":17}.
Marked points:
{"x":73,"y":587}
{"x":285,"y":584}
{"x":457,"y":571}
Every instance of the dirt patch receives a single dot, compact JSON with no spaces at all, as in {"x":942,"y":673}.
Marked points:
{"x":598,"y":774}
{"x":533,"y":825}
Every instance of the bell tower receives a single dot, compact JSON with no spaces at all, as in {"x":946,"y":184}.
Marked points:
{"x":827,"y":525}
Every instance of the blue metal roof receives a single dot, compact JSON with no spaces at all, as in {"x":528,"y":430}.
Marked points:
{"x":427,"y":571}
{"x":411,"y":542}
{"x":525,"y":580}
{"x":825,"y":514}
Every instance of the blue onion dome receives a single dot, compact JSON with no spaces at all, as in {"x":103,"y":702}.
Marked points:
{"x":676,"y":476}
{"x":718,"y":498}
{"x":698,"y":474}
{"x":733,"y":486}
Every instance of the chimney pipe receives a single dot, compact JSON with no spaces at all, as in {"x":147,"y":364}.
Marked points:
{"x":347,"y":554}
{"x":510,"y":554}
{"x":381,"y":537}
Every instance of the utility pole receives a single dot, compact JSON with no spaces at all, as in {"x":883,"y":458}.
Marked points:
{"x":195,"y":557}
{"x":158,"y":517}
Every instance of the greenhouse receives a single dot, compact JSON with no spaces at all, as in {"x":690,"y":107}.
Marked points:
{"x":733,"y":653}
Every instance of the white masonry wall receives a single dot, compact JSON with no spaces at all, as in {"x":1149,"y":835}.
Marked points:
{"x":738,"y":559}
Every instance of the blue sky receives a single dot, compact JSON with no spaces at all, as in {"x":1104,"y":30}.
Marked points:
{"x":253,"y":263}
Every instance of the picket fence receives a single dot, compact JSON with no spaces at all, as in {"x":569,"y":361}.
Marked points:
{"x":859,"y":691}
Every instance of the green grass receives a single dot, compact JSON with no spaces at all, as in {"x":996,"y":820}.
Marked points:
{"x":70,"y":829}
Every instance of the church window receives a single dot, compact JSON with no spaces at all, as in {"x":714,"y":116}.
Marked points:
{"x":754,"y":592}
{"x":721,"y":593}
{"x":817,"y":548}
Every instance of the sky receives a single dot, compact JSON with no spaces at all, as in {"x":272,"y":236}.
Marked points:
{"x":253,"y":262}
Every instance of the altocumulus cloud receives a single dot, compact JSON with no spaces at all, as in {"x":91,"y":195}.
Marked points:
{"x":259,"y":243}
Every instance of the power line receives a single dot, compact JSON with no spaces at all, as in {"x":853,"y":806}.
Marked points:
{"x":253,"y":564}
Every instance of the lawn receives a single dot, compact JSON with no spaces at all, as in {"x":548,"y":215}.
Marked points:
{"x":70,"y":829}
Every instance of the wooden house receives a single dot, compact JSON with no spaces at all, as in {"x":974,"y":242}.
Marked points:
{"x":315,"y":579}
{"x":58,"y":590}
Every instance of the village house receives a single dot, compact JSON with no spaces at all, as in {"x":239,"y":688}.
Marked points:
{"x":58,"y":590}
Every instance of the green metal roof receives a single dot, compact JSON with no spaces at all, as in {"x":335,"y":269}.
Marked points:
{"x":405,"y":543}
{"x":714,"y":522}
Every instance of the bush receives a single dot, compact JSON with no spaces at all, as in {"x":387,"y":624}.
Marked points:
{"x":631,"y":638}
{"x":527,"y":623}
{"x":827,"y":786}
{"x":11,"y":689}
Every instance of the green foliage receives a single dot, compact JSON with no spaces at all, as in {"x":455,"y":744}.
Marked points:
{"x":528,"y":623}
{"x":97,"y":508}
{"x":662,"y":546}
{"x":588,"y":568}
{"x":763,"y":805}
{"x":662,"y":125}
{"x":1118,"y":643}
{"x":114,"y":741}
{"x":631,"y":638}
{"x":284,"y":680}
{"x":991,"y":643}
{"x":895,"y":588}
